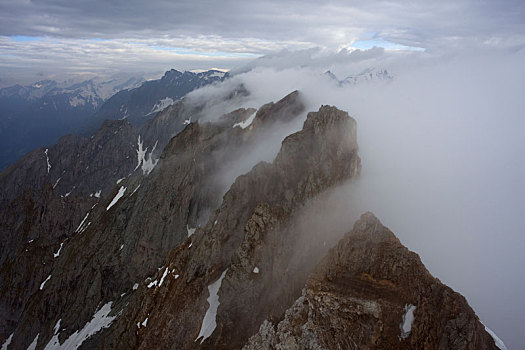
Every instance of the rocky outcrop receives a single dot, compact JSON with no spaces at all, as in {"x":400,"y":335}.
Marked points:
{"x":370,"y":292}
{"x":259,"y":203}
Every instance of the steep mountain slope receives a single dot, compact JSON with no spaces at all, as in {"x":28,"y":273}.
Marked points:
{"x":112,"y":154}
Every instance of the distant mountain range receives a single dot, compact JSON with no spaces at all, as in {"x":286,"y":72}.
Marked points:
{"x":38,"y":114}
{"x":142,"y":103}
{"x":367,"y":75}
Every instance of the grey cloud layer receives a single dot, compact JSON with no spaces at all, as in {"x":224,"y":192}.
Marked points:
{"x":157,"y":35}
{"x":332,"y":24}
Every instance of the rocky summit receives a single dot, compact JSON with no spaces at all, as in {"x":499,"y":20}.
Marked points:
{"x":187,"y":232}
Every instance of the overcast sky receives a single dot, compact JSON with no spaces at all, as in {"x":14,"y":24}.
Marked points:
{"x":57,"y":38}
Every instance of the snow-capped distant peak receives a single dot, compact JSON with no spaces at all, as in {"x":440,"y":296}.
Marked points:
{"x":366,"y":75}
{"x":159,"y":106}
{"x":216,"y":74}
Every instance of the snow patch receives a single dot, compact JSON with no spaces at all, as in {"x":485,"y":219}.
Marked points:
{"x":135,"y":190}
{"x":122,"y":246}
{"x":145,"y":159}
{"x":56,"y":183}
{"x":32,"y":346}
{"x":7,"y":342}
{"x":143,"y":324}
{"x":152,"y":284}
{"x":85,"y":227}
{"x":57,"y":326}
{"x":497,"y":340}
{"x":246,"y":123}
{"x":163,"y":277}
{"x":408,"y":319}
{"x":187,"y":121}
{"x":120,"y":180}
{"x":76,"y":101}
{"x":159,"y":106}
{"x":209,"y":322}
{"x":217,"y":74}
{"x":255,"y":269}
{"x":44,"y":283}
{"x":57,"y":254}
{"x":135,"y":286}
{"x":119,"y":195}
{"x":190,"y":230}
{"x":54,"y":343}
{"x":47,"y":160}
{"x":82,"y":223}
{"x":99,"y":321}
{"x":97,"y":194}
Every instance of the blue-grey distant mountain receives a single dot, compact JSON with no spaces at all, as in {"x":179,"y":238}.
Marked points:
{"x":367,"y":75}
{"x":38,"y":114}
{"x":142,"y":103}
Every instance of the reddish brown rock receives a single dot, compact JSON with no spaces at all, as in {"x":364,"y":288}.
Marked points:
{"x":358,"y":295}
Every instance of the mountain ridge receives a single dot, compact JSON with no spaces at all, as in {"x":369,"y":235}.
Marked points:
{"x":160,"y":238}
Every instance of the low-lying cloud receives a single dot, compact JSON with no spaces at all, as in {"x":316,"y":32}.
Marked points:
{"x":442,"y":165}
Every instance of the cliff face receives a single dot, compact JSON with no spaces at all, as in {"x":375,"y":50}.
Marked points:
{"x":187,"y":249}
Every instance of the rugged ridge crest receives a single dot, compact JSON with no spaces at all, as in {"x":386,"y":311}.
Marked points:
{"x":358,"y":297}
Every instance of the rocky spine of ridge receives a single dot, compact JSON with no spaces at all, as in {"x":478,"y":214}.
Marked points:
{"x":321,"y":155}
{"x":115,"y":248}
{"x":363,"y":296}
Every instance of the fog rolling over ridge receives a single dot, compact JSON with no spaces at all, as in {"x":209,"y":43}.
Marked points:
{"x":433,"y":149}
{"x":262,"y":175}
{"x":442,"y":165}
